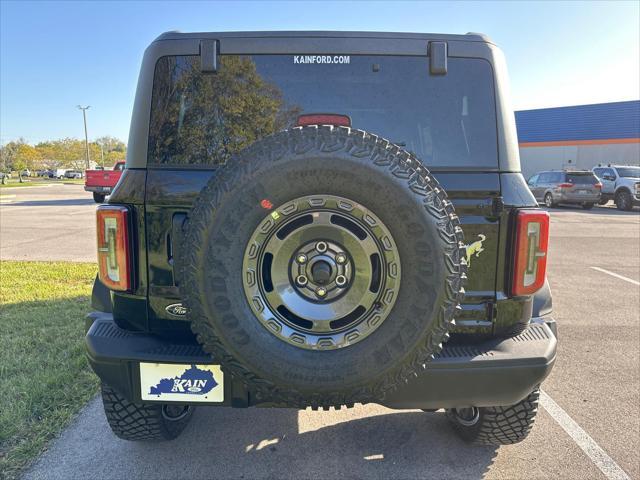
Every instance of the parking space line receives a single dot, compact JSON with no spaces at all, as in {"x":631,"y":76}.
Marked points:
{"x":630,"y":280}
{"x":588,"y":445}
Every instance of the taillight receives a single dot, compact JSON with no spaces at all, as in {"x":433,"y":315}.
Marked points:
{"x":565,"y":185}
{"x":113,"y":247}
{"x":532,"y":243}
{"x":324,"y":119}
{"x":598,"y":186}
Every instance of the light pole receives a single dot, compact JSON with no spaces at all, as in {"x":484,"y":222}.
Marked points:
{"x":86,"y":137}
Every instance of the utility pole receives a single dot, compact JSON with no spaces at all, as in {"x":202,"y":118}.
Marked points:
{"x":86,"y":137}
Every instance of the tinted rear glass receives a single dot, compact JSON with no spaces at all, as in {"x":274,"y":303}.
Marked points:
{"x":203,"y":119}
{"x":582,"y":178}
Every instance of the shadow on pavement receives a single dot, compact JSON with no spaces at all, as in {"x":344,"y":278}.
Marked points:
{"x":266,"y":443}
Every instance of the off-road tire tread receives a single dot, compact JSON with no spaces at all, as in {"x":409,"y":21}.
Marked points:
{"x":381,"y":153}
{"x":139,"y":422}
{"x":501,"y":425}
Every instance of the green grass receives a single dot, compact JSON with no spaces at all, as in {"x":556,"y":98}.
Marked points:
{"x":44,"y":376}
{"x":34,"y":182}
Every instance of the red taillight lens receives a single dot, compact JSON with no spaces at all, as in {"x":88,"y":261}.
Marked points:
{"x":532,"y":244}
{"x":598,"y":186}
{"x":565,"y":185}
{"x":324,"y":119}
{"x":113,"y":247}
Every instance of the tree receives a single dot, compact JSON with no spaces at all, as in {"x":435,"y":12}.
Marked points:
{"x":26,"y":157}
{"x":8,"y":154}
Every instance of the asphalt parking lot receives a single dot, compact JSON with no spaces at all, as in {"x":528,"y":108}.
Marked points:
{"x":594,"y":273}
{"x":55,"y":222}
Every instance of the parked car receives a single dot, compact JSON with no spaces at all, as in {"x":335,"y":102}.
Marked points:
{"x":25,"y":173}
{"x":73,"y":174}
{"x":57,"y":173}
{"x":101,"y":182}
{"x":620,"y":183}
{"x":568,"y":187}
{"x":318,"y":263}
{"x":42,"y":173}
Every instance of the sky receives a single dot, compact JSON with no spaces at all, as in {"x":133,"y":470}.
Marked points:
{"x":56,"y":55}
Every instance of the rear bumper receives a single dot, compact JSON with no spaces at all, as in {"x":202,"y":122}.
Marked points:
{"x":97,"y":189}
{"x":577,"y":199}
{"x":491,"y":373}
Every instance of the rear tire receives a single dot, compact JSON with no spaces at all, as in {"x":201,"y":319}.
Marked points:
{"x":548,"y":201}
{"x":496,"y":425}
{"x":603,"y":201}
{"x":624,"y":201}
{"x":98,"y":197}
{"x":587,"y":206}
{"x":140,"y":422}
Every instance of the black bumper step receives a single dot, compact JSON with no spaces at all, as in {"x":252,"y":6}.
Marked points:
{"x":493,"y":372}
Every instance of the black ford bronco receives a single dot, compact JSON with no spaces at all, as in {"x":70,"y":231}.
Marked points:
{"x":318,"y":219}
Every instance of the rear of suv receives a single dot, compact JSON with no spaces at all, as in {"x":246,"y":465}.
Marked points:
{"x":317,"y":220}
{"x":566,"y":188}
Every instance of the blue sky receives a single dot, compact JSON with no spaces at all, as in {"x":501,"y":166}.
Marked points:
{"x":55,"y":55}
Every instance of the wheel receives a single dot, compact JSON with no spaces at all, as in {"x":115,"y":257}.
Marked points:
{"x":603,"y":201}
{"x":134,"y":421}
{"x":495,"y":425}
{"x":323,"y":267}
{"x":587,"y":206}
{"x":548,"y":201}
{"x":98,"y":197}
{"x":624,"y":201}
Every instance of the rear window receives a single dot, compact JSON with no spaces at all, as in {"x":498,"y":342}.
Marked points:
{"x":203,"y":119}
{"x":582,"y":178}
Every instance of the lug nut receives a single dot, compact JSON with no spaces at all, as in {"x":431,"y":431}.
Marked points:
{"x":321,"y":292}
{"x":301,"y":280}
{"x":321,"y":247}
{"x":341,"y":258}
{"x":302,"y":258}
{"x":341,"y":280}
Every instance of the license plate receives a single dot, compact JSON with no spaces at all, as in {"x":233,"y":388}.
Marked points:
{"x":170,"y":382}
{"x":582,"y":192}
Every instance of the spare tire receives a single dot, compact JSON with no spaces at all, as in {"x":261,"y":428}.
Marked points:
{"x":322,"y":266}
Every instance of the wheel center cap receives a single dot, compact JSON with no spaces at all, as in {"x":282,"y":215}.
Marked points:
{"x":321,"y":272}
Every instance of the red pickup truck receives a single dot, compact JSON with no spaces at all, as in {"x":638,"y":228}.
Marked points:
{"x":101,"y":182}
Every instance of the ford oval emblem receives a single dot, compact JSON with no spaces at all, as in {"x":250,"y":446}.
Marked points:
{"x":176,"y":309}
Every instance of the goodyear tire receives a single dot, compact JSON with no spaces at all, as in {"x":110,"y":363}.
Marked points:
{"x":496,"y":425}
{"x":365,"y":275}
{"x":143,"y":422}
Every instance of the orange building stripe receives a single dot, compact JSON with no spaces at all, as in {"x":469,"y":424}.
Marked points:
{"x":562,"y":143}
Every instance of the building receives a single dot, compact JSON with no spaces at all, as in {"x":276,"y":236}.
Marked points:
{"x":579,"y":137}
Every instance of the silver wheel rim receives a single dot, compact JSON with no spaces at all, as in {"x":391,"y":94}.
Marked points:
{"x":321,"y":272}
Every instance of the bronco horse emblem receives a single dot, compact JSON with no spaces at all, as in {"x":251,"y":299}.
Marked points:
{"x":475,"y":248}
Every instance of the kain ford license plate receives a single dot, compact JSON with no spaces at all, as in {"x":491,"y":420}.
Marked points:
{"x":172,"y":382}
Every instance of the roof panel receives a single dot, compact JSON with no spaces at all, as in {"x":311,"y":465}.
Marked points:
{"x":599,"y":121}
